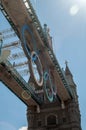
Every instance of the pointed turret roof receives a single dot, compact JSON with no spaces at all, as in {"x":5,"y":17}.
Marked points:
{"x":67,"y":70}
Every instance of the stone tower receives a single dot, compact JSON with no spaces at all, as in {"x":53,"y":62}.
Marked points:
{"x":52,"y":116}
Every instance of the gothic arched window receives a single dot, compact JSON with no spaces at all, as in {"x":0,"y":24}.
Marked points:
{"x":51,"y":120}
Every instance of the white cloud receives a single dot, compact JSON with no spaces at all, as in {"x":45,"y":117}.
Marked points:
{"x":23,"y":128}
{"x":74,"y":10}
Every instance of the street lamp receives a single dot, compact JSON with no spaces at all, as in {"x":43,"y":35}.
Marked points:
{"x":1,"y":42}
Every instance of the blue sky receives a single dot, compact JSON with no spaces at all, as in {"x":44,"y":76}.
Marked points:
{"x":67,"y":24}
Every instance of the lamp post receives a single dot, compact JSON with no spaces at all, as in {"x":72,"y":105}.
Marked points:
{"x":1,"y":42}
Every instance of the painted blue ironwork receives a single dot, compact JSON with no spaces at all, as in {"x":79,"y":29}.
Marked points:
{"x":41,"y":34}
{"x":34,"y":58}
{"x":36,"y":61}
{"x":48,"y":87}
{"x":27,"y":49}
{"x":38,"y":27}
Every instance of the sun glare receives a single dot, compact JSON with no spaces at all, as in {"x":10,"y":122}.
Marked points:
{"x":81,"y":2}
{"x":78,"y":6}
{"x":74,"y":10}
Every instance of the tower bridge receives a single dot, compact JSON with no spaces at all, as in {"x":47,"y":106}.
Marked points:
{"x":51,"y":86}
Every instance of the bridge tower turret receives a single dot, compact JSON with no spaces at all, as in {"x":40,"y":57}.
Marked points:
{"x":71,"y":83}
{"x":73,"y":106}
{"x":52,"y":116}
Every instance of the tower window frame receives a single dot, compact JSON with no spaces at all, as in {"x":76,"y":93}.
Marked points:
{"x":51,"y":120}
{"x":64,"y":120}
{"x":39,"y":123}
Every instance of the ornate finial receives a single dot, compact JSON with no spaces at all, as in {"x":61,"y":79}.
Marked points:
{"x":66,"y":63}
{"x":67,"y":70}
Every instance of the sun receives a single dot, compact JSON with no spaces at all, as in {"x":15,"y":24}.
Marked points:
{"x":74,"y":10}
{"x":79,"y":4}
